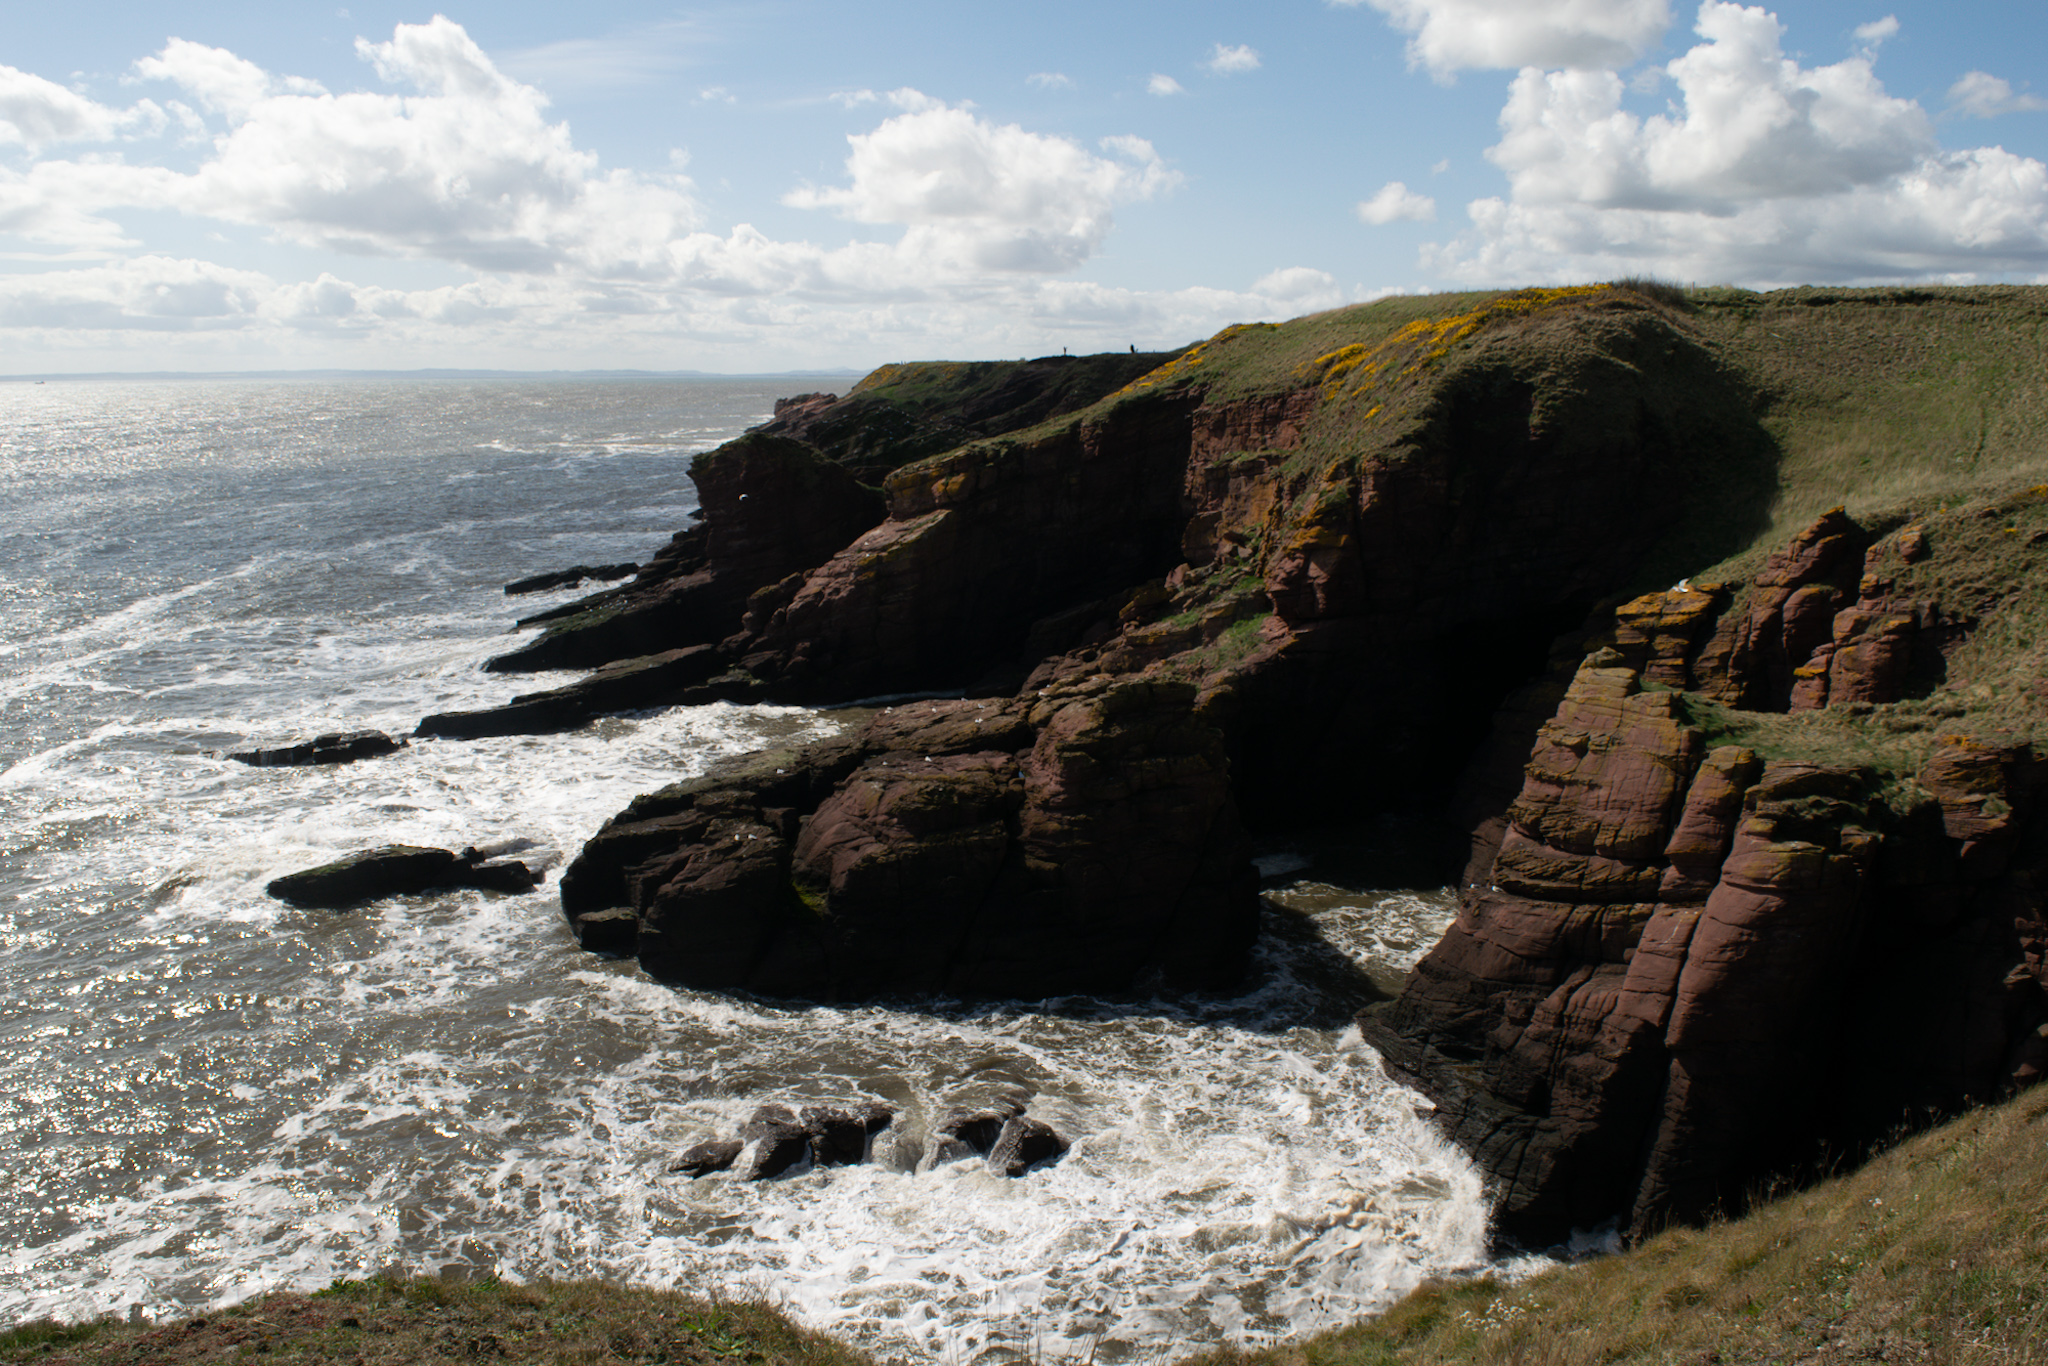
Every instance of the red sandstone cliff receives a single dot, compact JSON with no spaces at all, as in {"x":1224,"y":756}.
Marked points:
{"x":1682,"y":965}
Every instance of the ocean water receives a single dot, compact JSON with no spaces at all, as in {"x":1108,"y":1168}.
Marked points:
{"x":207,"y":1094}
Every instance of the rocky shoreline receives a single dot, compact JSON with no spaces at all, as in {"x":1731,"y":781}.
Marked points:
{"x":1394,"y":558}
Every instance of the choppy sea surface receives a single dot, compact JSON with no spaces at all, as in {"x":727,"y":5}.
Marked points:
{"x":205,"y":1094}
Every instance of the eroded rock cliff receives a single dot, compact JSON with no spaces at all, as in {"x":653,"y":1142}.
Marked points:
{"x":1735,"y":893}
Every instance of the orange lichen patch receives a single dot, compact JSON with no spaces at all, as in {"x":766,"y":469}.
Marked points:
{"x":1354,"y":368}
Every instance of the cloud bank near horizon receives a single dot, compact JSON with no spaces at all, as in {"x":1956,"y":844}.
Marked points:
{"x":465,"y":168}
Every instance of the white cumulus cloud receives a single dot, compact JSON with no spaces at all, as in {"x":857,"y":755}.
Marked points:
{"x":1162,"y":85}
{"x":1754,"y":125}
{"x":1395,"y":202}
{"x":35,"y":113}
{"x":1226,"y":60}
{"x":217,"y":78}
{"x":466,"y":169}
{"x":1764,"y":172}
{"x":1447,"y":36}
{"x":1981,"y":95}
{"x":987,"y":196}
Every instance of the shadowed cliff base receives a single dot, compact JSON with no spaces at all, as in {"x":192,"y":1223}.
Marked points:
{"x":1729,"y":891}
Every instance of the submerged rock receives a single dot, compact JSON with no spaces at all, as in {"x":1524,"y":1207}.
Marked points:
{"x":716,"y":1155}
{"x":782,"y":1140}
{"x":569,"y":578}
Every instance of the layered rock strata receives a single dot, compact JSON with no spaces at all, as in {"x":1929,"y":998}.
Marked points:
{"x":1662,"y":992}
{"x":781,"y":499}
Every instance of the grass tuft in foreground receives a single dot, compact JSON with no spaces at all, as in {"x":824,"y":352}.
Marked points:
{"x":415,"y":1321}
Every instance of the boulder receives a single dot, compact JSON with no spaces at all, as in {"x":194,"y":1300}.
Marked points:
{"x":389,"y":870}
{"x":971,"y":1132}
{"x":779,"y":1141}
{"x":1023,"y":1144}
{"x":839,"y":1137}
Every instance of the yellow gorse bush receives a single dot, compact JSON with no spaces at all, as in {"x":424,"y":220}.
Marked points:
{"x":1422,"y":343}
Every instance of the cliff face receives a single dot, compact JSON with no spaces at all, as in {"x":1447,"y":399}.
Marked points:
{"x":1685,"y":964}
{"x":1305,"y":587}
{"x":780,"y":500}
{"x":1732,"y":894}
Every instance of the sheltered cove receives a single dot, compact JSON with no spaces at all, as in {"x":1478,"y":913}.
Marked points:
{"x":1753,"y":861}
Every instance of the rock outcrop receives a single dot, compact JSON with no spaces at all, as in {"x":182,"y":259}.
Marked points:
{"x":1299,"y":576}
{"x":783,"y":498}
{"x":344,"y":747}
{"x":1082,"y":840}
{"x":398,"y":870}
{"x":571,"y":577}
{"x":1665,"y":989}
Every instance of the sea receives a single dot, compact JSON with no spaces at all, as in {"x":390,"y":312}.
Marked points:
{"x":206,"y":1094}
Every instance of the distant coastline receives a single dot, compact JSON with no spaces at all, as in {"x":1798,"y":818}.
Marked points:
{"x":428,"y":374}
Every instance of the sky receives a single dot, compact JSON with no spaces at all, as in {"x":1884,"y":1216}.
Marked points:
{"x":794,"y":184}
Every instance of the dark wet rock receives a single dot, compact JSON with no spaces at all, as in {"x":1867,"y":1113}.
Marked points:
{"x":780,"y":1141}
{"x":1024,"y":1143}
{"x":398,"y":870}
{"x":510,"y":877}
{"x":839,"y":1137}
{"x":970,"y":1133}
{"x":611,"y":932}
{"x":389,"y":870}
{"x":716,"y":1155}
{"x":569,"y":578}
{"x":675,"y":677}
{"x":341,"y":748}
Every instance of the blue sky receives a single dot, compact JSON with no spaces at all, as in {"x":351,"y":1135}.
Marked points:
{"x":792,"y":184}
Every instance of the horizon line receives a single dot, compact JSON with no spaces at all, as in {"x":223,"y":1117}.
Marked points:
{"x":431,"y":372}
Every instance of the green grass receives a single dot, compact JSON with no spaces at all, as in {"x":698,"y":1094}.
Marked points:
{"x":1936,"y":1251}
{"x":1885,"y":398}
{"x":413,"y":1321}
